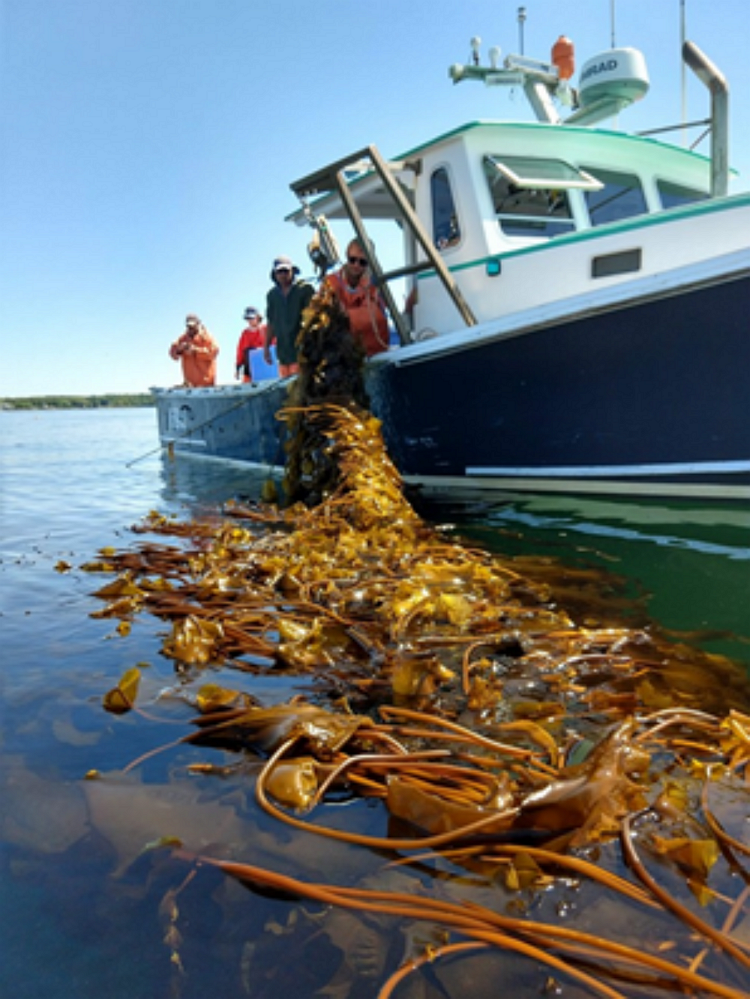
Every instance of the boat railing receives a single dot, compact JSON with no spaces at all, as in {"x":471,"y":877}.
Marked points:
{"x":407,"y":270}
{"x":337,"y":178}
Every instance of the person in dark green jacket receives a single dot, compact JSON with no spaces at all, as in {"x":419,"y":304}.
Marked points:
{"x":285,"y":303}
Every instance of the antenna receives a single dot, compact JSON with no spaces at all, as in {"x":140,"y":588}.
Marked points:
{"x":683,"y":70}
{"x":612,"y":19}
{"x":521,"y":22}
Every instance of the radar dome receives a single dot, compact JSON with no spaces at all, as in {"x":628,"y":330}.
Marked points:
{"x":618,"y":74}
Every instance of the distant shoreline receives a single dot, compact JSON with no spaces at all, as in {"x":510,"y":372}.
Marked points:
{"x":77,"y":401}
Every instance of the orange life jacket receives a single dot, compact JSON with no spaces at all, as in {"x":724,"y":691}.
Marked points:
{"x":199,"y":366}
{"x":364,"y":307}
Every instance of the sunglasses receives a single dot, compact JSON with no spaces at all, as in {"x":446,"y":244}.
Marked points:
{"x":283,"y":270}
{"x":358,"y":260}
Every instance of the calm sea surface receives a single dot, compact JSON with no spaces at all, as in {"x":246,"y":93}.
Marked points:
{"x":83,"y":915}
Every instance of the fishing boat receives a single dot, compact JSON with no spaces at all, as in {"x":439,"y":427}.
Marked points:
{"x":578,"y":298}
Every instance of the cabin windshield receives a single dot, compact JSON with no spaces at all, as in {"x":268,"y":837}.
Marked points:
{"x":620,"y":197}
{"x":529,"y":196}
{"x":674,"y":195}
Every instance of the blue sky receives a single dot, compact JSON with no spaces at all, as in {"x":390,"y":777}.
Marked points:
{"x":148,"y":146}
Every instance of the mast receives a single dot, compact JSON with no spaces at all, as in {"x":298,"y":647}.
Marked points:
{"x":683,"y":74}
{"x":521,"y":22}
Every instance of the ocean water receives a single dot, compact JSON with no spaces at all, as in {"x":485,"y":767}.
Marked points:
{"x":84,"y":913}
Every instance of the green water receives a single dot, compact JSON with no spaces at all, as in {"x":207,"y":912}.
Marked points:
{"x":687,"y":565}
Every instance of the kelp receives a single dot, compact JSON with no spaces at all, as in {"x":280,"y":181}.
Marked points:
{"x":518,"y":750}
{"x":122,"y":697}
{"x":330,"y":371}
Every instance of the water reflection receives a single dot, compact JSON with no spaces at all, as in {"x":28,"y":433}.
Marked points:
{"x":83,"y":912}
{"x":656,"y":522}
{"x":195,"y":483}
{"x":714,"y":529}
{"x":689,"y":560}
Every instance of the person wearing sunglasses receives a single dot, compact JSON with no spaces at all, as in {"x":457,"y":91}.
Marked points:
{"x":197,"y":350}
{"x":285,"y":304}
{"x":360,"y":298}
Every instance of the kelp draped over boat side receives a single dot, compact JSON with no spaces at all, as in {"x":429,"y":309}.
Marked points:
{"x":514,"y":755}
{"x":330,"y":371}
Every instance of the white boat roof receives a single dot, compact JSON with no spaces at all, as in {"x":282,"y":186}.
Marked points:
{"x":542,"y":139}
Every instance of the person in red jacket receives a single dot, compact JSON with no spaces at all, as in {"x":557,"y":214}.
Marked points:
{"x":252,"y":337}
{"x":360,"y":298}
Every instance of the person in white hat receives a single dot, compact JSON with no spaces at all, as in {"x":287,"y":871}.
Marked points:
{"x":285,"y":304}
{"x":197,"y":350}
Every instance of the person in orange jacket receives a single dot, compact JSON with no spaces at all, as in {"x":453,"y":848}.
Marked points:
{"x":197,"y":350}
{"x":252,"y":337}
{"x":360,"y":298}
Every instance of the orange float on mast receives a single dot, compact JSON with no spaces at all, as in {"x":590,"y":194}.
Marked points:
{"x":563,"y":56}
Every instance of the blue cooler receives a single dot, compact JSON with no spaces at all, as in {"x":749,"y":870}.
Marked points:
{"x":259,"y":370}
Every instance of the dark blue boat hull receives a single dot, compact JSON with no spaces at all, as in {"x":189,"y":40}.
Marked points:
{"x":237,"y":424}
{"x":648,"y":398}
{"x":653,"y":393}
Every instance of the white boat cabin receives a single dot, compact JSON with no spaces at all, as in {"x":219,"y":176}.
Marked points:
{"x":503,"y":217}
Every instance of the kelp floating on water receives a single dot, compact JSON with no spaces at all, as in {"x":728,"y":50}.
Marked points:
{"x":544,"y":781}
{"x":518,"y":755}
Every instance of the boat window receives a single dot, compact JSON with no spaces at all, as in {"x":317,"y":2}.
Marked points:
{"x":621,"y":197}
{"x":446,"y":231}
{"x":527,"y":172}
{"x":674,"y":195}
{"x":537,"y":206}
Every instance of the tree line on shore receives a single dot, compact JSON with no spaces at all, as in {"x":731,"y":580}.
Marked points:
{"x":77,"y":401}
